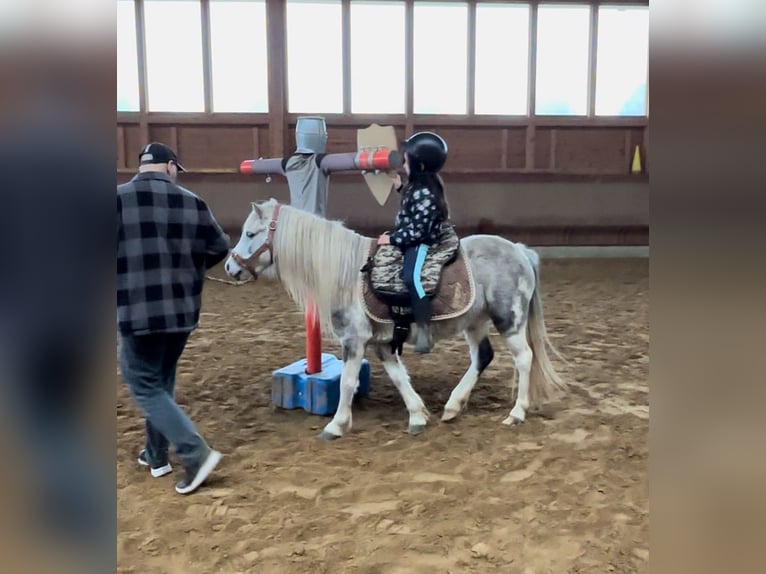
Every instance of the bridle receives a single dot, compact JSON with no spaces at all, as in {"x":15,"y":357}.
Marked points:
{"x":267,"y":245}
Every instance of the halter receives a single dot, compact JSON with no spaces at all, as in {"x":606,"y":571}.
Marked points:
{"x":267,"y":245}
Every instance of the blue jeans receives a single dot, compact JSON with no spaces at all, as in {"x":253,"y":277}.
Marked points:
{"x":148,"y":365}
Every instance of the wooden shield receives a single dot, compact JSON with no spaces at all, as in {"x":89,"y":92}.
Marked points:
{"x":373,"y":137}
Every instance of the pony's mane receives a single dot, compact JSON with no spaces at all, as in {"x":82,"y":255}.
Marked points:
{"x":318,"y":260}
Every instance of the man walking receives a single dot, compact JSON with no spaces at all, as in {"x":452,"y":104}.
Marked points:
{"x":167,"y":239}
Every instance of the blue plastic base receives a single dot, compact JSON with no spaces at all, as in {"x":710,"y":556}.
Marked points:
{"x":292,"y":388}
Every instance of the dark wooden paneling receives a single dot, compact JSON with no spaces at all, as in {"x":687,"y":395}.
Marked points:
{"x":213,"y":147}
{"x":263,"y":142}
{"x":597,"y":150}
{"x":339,"y":140}
{"x":478,"y":150}
{"x":542,"y":148}
{"x":517,"y":151}
{"x":121,"y":147}
{"x":162,"y":134}
{"x":133,"y":144}
{"x":584,"y":212}
{"x":636,"y":139}
{"x":473,"y":148}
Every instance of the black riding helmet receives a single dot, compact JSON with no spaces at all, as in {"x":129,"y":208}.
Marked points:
{"x":427,"y":151}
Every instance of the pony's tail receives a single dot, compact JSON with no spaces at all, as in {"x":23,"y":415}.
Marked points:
{"x":544,"y":382}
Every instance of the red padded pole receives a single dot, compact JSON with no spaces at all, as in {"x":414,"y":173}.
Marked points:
{"x":313,"y":341}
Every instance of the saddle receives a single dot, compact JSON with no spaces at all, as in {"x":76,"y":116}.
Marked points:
{"x":446,"y":279}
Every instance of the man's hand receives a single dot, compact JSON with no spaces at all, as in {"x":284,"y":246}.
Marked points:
{"x":384,"y":239}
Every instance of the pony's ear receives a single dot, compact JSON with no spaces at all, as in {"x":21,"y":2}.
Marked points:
{"x":257,"y":210}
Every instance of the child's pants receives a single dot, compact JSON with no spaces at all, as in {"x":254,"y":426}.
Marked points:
{"x":414,"y":257}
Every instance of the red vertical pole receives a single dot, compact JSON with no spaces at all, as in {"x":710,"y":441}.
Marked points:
{"x":313,"y":341}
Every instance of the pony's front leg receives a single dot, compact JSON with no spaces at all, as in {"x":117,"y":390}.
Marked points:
{"x":398,"y":373}
{"x":353,"y":354}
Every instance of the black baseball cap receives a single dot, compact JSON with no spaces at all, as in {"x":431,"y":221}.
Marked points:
{"x":157,"y":152}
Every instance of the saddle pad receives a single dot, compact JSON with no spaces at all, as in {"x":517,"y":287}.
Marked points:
{"x":386,"y":272}
{"x":456,"y":294}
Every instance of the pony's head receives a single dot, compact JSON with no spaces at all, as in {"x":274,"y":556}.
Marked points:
{"x":254,"y":250}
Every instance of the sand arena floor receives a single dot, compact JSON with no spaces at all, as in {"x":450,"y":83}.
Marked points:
{"x":566,"y":492}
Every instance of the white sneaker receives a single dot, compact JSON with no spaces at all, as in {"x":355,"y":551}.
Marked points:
{"x":156,"y":472}
{"x":195,"y":477}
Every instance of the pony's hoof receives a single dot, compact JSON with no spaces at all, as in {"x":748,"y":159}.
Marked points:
{"x":512,"y":421}
{"x":449,"y":415}
{"x":327,"y":436}
{"x":415,"y":430}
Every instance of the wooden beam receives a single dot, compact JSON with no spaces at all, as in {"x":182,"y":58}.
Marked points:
{"x":276,"y":22}
{"x":532,"y":71}
{"x":490,"y":174}
{"x":207,"y":65}
{"x":592,"y":60}
{"x":504,"y":149}
{"x":190,"y":118}
{"x":628,"y":147}
{"x":553,"y":150}
{"x":122,"y":161}
{"x":143,"y":96}
{"x":484,"y":121}
{"x":471,"y":60}
{"x":256,"y":143}
{"x":174,"y":139}
{"x":409,"y":65}
{"x":263,"y":119}
{"x":580,"y":2}
{"x":346,"y":51}
{"x":645,"y":149}
{"x":529,"y":148}
{"x":143,"y":130}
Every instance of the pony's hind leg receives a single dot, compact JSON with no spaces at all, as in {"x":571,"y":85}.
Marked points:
{"x":353,"y":353}
{"x":522,"y":356}
{"x":481,"y":356}
{"x":398,"y":373}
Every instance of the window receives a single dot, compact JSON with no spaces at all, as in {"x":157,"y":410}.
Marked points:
{"x":502,"y":59}
{"x":239,"y":56}
{"x":127,"y":58}
{"x":377,"y":57}
{"x":563,"y":40}
{"x":441,"y":58}
{"x":622,"y":61}
{"x":314,"y":57}
{"x":174,"y":56}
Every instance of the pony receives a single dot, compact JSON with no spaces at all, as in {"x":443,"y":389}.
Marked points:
{"x":318,"y":263}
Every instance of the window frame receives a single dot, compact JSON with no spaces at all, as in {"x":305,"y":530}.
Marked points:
{"x":280,"y":122}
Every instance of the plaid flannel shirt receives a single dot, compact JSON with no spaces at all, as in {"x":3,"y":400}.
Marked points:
{"x":167,"y":238}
